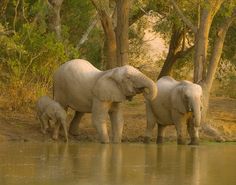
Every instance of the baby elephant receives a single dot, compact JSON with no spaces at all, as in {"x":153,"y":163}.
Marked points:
{"x":50,"y":110}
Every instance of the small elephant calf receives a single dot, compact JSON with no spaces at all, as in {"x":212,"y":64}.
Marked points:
{"x":50,"y":110}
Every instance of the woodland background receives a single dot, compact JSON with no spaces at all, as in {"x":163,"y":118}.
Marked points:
{"x":194,"y":40}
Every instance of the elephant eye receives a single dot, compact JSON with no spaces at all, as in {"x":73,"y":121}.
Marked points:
{"x":128,"y":76}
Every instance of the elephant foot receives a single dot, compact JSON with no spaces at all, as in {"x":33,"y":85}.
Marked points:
{"x":105,"y":142}
{"x":116,"y":141}
{"x":181,"y":141}
{"x":43,"y":131}
{"x":159,"y":140}
{"x":66,"y":139}
{"x":55,"y":137}
{"x":194,"y":141}
{"x":146,"y":139}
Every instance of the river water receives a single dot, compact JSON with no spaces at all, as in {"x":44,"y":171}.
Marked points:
{"x":116,"y":164}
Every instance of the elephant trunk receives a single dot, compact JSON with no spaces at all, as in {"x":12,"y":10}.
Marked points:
{"x":197,"y":113}
{"x":149,"y":87}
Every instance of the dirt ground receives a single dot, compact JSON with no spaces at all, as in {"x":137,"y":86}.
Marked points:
{"x":23,"y":126}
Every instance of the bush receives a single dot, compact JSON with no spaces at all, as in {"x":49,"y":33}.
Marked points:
{"x":28,"y":59}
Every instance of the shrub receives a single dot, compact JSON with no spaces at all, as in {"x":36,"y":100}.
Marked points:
{"x":28,"y":59}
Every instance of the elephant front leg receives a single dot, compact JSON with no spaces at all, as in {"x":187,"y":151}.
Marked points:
{"x":99,"y":115}
{"x":64,"y":125}
{"x":151,"y":121}
{"x":117,"y":122}
{"x":74,"y":125}
{"x":56,"y":130}
{"x":193,"y":133}
{"x":44,"y":120}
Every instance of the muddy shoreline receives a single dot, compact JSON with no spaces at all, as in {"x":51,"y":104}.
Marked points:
{"x":23,"y":126}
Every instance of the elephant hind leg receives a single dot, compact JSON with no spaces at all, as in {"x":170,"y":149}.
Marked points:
{"x":74,"y":125}
{"x":151,"y":122}
{"x":160,"y":134}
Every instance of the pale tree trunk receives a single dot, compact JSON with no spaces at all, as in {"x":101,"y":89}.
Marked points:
{"x":54,"y":16}
{"x":207,"y":14}
{"x":214,"y":61}
{"x":200,"y":56}
{"x":122,"y":30}
{"x":201,"y":45}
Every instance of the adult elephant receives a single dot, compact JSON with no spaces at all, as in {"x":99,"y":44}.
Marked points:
{"x":177,"y":102}
{"x":85,"y":89}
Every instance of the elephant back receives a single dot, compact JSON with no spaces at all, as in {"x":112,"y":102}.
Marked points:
{"x":73,"y":83}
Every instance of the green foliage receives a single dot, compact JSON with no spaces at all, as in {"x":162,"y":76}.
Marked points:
{"x":77,"y":15}
{"x":169,"y":17}
{"x":225,"y":79}
{"x":29,"y":52}
{"x":28,"y":60}
{"x":229,"y":48}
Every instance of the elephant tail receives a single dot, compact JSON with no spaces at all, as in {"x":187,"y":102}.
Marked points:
{"x":53,"y":90}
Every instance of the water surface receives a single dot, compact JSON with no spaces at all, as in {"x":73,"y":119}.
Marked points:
{"x":116,"y":164}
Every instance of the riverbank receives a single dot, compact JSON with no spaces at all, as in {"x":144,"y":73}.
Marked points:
{"x":23,"y":126}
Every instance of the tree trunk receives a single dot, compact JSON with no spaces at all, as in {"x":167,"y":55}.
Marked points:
{"x":110,"y":37}
{"x":201,"y":45}
{"x":201,"y":74}
{"x":176,"y":50}
{"x":175,"y":43}
{"x":54,"y":17}
{"x":122,"y":30}
{"x":110,"y":41}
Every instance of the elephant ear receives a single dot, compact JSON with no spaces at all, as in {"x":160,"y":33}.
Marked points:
{"x":106,"y":89}
{"x":178,"y":99}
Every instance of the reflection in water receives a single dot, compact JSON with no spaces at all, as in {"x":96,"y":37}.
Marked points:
{"x":90,"y":163}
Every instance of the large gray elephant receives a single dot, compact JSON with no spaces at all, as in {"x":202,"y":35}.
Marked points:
{"x":85,"y":89}
{"x":177,"y":102}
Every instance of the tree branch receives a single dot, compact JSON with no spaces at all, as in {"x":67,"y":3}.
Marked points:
{"x":86,"y":34}
{"x":184,"y":18}
{"x":182,"y":53}
{"x":15,"y":14}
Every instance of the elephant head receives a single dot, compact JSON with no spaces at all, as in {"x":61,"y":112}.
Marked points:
{"x":123,"y":83}
{"x":187,"y":98}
